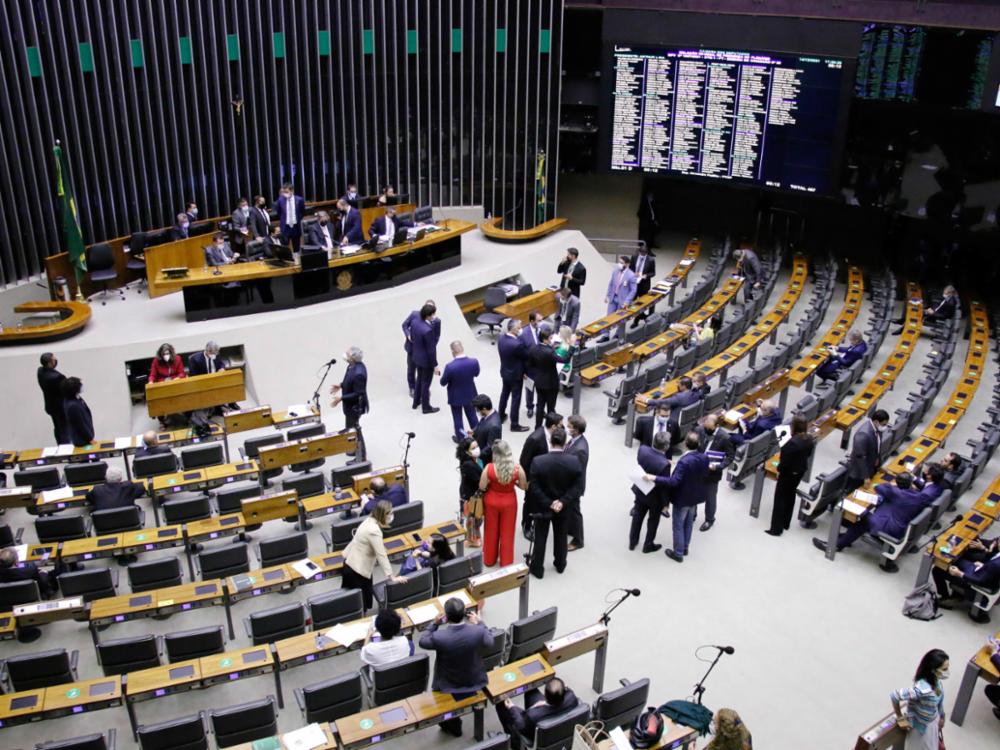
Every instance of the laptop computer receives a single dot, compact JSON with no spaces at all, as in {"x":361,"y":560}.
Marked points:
{"x":281,"y":256}
{"x":314,"y":260}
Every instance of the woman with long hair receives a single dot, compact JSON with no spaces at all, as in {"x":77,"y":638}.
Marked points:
{"x":366,"y":550}
{"x":498,"y":482}
{"x":730,"y":732}
{"x":920,"y":708}
{"x":470,"y":468}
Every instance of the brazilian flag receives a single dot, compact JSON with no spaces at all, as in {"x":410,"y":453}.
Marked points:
{"x":70,"y":215}
{"x":540,"y":188}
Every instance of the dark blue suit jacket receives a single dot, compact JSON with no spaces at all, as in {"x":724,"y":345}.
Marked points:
{"x":394,"y":493}
{"x":352,"y":227}
{"x":688,"y":482}
{"x":897,"y":509}
{"x":945,"y":308}
{"x":678,"y":401}
{"x":79,"y":420}
{"x":529,"y":341}
{"x":408,"y":329}
{"x":845,"y":357}
{"x":458,"y":667}
{"x":424,"y":338}
{"x":198,"y":364}
{"x":757,"y":426}
{"x":512,"y":354}
{"x":281,"y":208}
{"x":377,"y":229}
{"x":988,"y":576}
{"x":354,"y":389}
{"x":657,"y":464}
{"x":459,"y":377}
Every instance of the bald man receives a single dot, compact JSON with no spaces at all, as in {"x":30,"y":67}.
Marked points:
{"x":459,"y":377}
{"x":151,"y":445}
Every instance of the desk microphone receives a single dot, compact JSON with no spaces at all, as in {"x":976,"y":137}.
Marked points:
{"x":331,"y":362}
{"x":633,"y":592}
{"x":411,"y":435}
{"x":725,"y":649}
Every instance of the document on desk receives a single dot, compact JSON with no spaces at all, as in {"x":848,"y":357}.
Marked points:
{"x":349,"y":249}
{"x":638,"y":478}
{"x":868,"y":497}
{"x":122,"y":443}
{"x":852,"y":507}
{"x":65,"y":450}
{"x":422,"y":615}
{"x":348,"y":633}
{"x":306,"y":738}
{"x":305,"y":568}
{"x":617,"y":736}
{"x":460,"y":595}
{"x":51,"y":496}
{"x":49,"y":452}
{"x":733,"y":416}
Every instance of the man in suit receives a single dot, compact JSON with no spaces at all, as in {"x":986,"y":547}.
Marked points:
{"x":572,"y":272}
{"x":653,"y":460}
{"x":321,"y":232}
{"x":536,"y":444}
{"x":352,"y":393}
{"x":643,"y":265}
{"x":512,"y":355}
{"x":543,"y":363}
{"x":386,"y":226}
{"x":954,"y":466}
{"x":11,"y":572}
{"x":647,"y":219}
{"x":239,"y":223}
{"x":206,"y":361}
{"x":685,"y":396}
{"x":381,"y":490}
{"x":459,"y":377}
{"x":191,"y":209}
{"x":424,"y":338}
{"x":648,"y":426}
{"x":79,"y":421}
{"x":556,"y":480}
{"x":458,"y":666}
{"x":50,"y":381}
{"x":768,"y":417}
{"x":259,"y":222}
{"x":688,"y":487}
{"x":978,"y":565}
{"x":568,"y":313}
{"x":529,"y":335}
{"x":351,"y":196}
{"x":522,"y":722}
{"x":181,"y":229}
{"x":699,"y":384}
{"x":898,"y":505}
{"x":713,"y":438}
{"x":350,"y":222}
{"x":219,"y":253}
{"x":150,"y":446}
{"x":748,"y":266}
{"x":946,"y":309}
{"x":843,"y":356}
{"x":579,"y":447}
{"x":489,"y":429}
{"x":411,"y":368}
{"x":621,"y":286}
{"x":115,"y":492}
{"x":290,"y":209}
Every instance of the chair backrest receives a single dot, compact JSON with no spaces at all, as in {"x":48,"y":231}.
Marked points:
{"x":87,"y":742}
{"x":93,"y":583}
{"x":528,"y":634}
{"x":406,"y":517}
{"x":832,"y":485}
{"x":40,"y":669}
{"x":60,"y":528}
{"x":279,"y":622}
{"x":306,"y":431}
{"x":244,"y":723}
{"x":230,"y":499}
{"x":343,"y":476}
{"x":455,"y":574}
{"x":252,"y":446}
{"x":417,"y":587}
{"x":498,"y":741}
{"x":7,"y":535}
{"x":493,"y":656}
{"x":342,"y":531}
{"x":100,"y":257}
{"x":123,"y":655}
{"x":151,"y":466}
{"x":113,"y":520}
{"x":18,"y":592}
{"x":225,"y":561}
{"x":38,"y":478}
{"x":524,"y":290}
{"x":332,"y":699}
{"x":185,"y":509}
{"x":87,"y":473}
{"x":400,"y":679}
{"x":715,"y":399}
{"x":495,"y":296}
{"x":618,"y":708}
{"x":181,"y":645}
{"x":556,"y":732}
{"x":210,"y":454}
{"x":154,"y":574}
{"x":282,"y":549}
{"x":342,"y":605}
{"x":185,"y":733}
{"x":308,"y":484}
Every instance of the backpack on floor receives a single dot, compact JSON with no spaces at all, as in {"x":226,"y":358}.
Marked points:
{"x":921,"y":603}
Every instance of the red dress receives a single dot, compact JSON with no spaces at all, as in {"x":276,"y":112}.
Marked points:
{"x":159,"y":371}
{"x":500,"y":511}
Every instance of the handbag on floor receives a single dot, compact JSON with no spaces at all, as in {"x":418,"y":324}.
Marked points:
{"x":587,"y":736}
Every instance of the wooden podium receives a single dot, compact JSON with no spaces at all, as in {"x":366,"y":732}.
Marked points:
{"x":196,"y":392}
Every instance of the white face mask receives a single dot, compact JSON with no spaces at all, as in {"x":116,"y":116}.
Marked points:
{"x":944,"y":674}
{"x":389,"y":519}
{"x":193,"y":212}
{"x":475,"y":452}
{"x":185,"y":224}
{"x":166,"y":357}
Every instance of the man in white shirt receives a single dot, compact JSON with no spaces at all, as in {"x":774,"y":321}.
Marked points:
{"x":321,"y":232}
{"x":390,"y":646}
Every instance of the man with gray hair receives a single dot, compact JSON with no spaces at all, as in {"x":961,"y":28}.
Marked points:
{"x":459,"y":377}
{"x":352,"y":394}
{"x":206,"y":361}
{"x":321,"y":232}
{"x":114,"y":493}
{"x":768,"y":417}
{"x":843,"y":356}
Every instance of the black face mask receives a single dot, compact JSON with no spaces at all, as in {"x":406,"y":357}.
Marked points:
{"x":323,"y":223}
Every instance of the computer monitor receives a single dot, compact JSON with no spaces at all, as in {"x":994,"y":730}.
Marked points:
{"x":313,"y":260}
{"x":280,"y":253}
{"x":400,"y":236}
{"x":369,"y":244}
{"x":406,"y":218}
{"x":423,"y":213}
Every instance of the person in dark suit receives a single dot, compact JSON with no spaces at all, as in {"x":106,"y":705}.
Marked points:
{"x":424,"y":334}
{"x":653,"y":460}
{"x":239,"y":223}
{"x":459,"y":377}
{"x":572,"y":272}
{"x":458,"y":666}
{"x":543,"y":363}
{"x":79,"y":422}
{"x":568,"y":312}
{"x":946,"y":309}
{"x":579,"y":447}
{"x":512,"y":355}
{"x":350,"y":222}
{"x":114,"y":493}
{"x":647,"y":219}
{"x":259,"y":221}
{"x":351,"y":196}
{"x":181,"y":229}
{"x":699,"y":384}
{"x":843,"y":356}
{"x":643,"y":265}
{"x":768,"y":417}
{"x":381,"y":490}
{"x":11,"y":572}
{"x":647,"y":426}
{"x":714,"y":439}
{"x":993,"y":691}
{"x":685,"y":396}
{"x":954,"y":466}
{"x":191,"y":210}
{"x":556,"y":480}
{"x":522,"y":722}
{"x":219,"y":253}
{"x":748,"y":266}
{"x":387,"y":225}
{"x":206,"y":361}
{"x":687,"y":487}
{"x":793,"y":464}
{"x":352,"y":393}
{"x":290,"y":208}
{"x":321,"y":232}
{"x":489,"y":429}
{"x":411,"y":368}
{"x":529,"y":335}
{"x":978,"y":565}
{"x":899,"y":504}
{"x":150,"y":446}
{"x":50,"y":381}
{"x":536,"y":444}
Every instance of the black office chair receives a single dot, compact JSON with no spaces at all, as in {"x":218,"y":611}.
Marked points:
{"x":224,"y":562}
{"x":230,"y":499}
{"x":39,"y":478}
{"x":416,"y":588}
{"x":619,"y":708}
{"x":186,"y":509}
{"x":493,"y":656}
{"x":244,"y":723}
{"x":343,"y":476}
{"x":154,"y":465}
{"x":331,"y":699}
{"x":123,"y":655}
{"x":8,"y":537}
{"x":300,"y":433}
{"x":271,"y":625}
{"x":154,"y":574}
{"x":101,"y":268}
{"x":137,"y":244}
{"x":251,"y":449}
{"x":406,"y":517}
{"x":528,"y":635}
{"x":88,"y":473}
{"x":16,"y":593}
{"x":185,"y":733}
{"x":93,"y":583}
{"x":495,"y":297}
{"x":283,"y":549}
{"x":454,"y":574}
{"x":496,"y":741}
{"x":87,"y":742}
{"x":341,"y":532}
{"x":400,"y":679}
{"x":556,"y":732}
{"x":211,"y":454}
{"x":115,"y":520}
{"x":39,"y":670}
{"x":342,"y":605}
{"x":51,"y":529}
{"x":307,"y":485}
{"x":182,"y":645}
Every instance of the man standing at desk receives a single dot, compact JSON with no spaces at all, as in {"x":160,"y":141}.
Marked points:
{"x":459,"y":377}
{"x":352,"y":392}
{"x":350,"y":222}
{"x":322,"y":233}
{"x":260,"y":220}
{"x":644,"y":267}
{"x":458,"y":666}
{"x":568,"y":313}
{"x":50,"y":381}
{"x":555,"y":481}
{"x":240,"y":223}
{"x":424,"y":335}
{"x":290,"y":207}
{"x":621,"y":286}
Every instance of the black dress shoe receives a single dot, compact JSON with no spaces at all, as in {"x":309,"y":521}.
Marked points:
{"x":432,"y":410}
{"x":538,"y":573}
{"x":819,"y":544}
{"x":772,"y":532}
{"x":560,"y":569}
{"x":415,"y":406}
{"x":456,"y":439}
{"x":531,"y":413}
{"x":519,"y":428}
{"x":707,"y":525}
{"x":631,"y":547}
{"x":647,"y":548}
{"x":674,"y":556}
{"x":808,"y":525}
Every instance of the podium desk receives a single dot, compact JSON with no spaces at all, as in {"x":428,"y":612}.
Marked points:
{"x":545,"y":302}
{"x":199,"y":479}
{"x":195,"y":392}
{"x":307,"y":449}
{"x":21,"y":708}
{"x":237,"y":665}
{"x":79,"y":697}
{"x":147,"y":540}
{"x":431,"y":708}
{"x":988,"y":504}
{"x":503,"y":579}
{"x":979,"y":667}
{"x":518,"y":677}
{"x":591,"y":638}
{"x":42,"y":554}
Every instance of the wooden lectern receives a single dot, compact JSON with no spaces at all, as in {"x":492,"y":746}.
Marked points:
{"x":196,"y":392}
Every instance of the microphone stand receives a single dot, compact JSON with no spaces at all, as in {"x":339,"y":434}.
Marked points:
{"x":315,"y":397}
{"x":699,"y":689}
{"x":606,"y":617}
{"x":406,"y":462}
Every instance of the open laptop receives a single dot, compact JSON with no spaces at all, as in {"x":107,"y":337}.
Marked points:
{"x":281,"y":256}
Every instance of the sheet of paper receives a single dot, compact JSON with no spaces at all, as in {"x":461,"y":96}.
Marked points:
{"x":869,"y":497}
{"x":123,"y":442}
{"x":21,"y":550}
{"x":63,"y":493}
{"x":852,"y":507}
{"x":348,"y":633}
{"x":423,"y":614}
{"x":638,"y":478}
{"x":138,"y":440}
{"x":305,"y":738}
{"x":349,"y":249}
{"x":617,"y":736}
{"x":47,"y":452}
{"x":733,"y":416}
{"x":305,"y":568}
{"x":65,"y":450}
{"x":461,"y":595}
{"x":300,"y":410}
{"x":784,"y":433}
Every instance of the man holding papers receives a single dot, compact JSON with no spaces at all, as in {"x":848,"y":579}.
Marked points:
{"x":649,"y":497}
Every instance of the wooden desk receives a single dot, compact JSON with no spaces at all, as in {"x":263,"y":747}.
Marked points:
{"x":328,"y":503}
{"x":260,"y":581}
{"x":162,"y":601}
{"x":235,"y":665}
{"x":675,"y":737}
{"x":214,"y":527}
{"x":73,"y":318}
{"x":146,"y":684}
{"x":200,"y":479}
{"x":947,"y":546}
{"x":503,"y":579}
{"x":16,"y":497}
{"x":307,"y":449}
{"x":980,"y":667}
{"x":281,"y":739}
{"x":391,"y":475}
{"x":270,"y":507}
{"x":772,"y":386}
{"x":8,"y":629}
{"x":544,"y":302}
{"x":375,"y":724}
{"x":195,"y":392}
{"x":90,"y":547}
{"x":21,"y":708}
{"x":988,"y":503}
{"x":518,"y":677}
{"x":253,"y":418}
{"x":79,"y":697}
{"x":583,"y":641}
{"x":491,"y":230}
{"x":98,"y":450}
{"x":55,"y":610}
{"x":913,"y":456}
{"x":285,"y":418}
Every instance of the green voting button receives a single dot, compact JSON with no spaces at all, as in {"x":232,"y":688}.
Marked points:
{"x":366,"y":723}
{"x":73,"y":693}
{"x":140,"y":537}
{"x":509,"y":676}
{"x":226,"y":663}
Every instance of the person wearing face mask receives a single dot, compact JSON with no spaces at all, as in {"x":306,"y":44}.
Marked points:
{"x":470,"y":506}
{"x":365,"y":551}
{"x":191,"y":209}
{"x":621,"y":286}
{"x":290,"y":207}
{"x":350,"y":222}
{"x":387,"y":195}
{"x":792,"y":466}
{"x":219,"y":253}
{"x":920,"y":708}
{"x":351,"y":196}
{"x":643,"y":265}
{"x":714,"y":439}
{"x":79,"y":422}
{"x":259,"y":221}
{"x":166,"y":365}
{"x":387,"y":225}
{"x":352,"y":394}
{"x":411,"y":367}
{"x":240,"y":224}
{"x":379,"y":490}
{"x":50,"y":381}
{"x":497,"y":483}
{"x":322,"y":233}
{"x":181,"y":229}
{"x":529,"y":335}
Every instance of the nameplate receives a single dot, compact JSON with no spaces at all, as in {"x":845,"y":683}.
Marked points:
{"x":52,"y":606}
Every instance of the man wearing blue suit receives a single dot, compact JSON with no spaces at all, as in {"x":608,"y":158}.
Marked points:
{"x":350,"y":221}
{"x":207,"y":361}
{"x":654,"y":461}
{"x":978,"y":565}
{"x":768,"y":417}
{"x":381,"y":490}
{"x":459,"y":377}
{"x":513,"y":353}
{"x":386,"y":226}
{"x":290,"y":208}
{"x":411,"y":368}
{"x":529,"y":335}
{"x":688,"y":487}
{"x":352,"y":393}
{"x":685,"y":396}
{"x":621,"y":286}
{"x":845,"y":355}
{"x":424,"y":338}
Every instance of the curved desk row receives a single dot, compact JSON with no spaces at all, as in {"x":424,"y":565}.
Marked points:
{"x":491,"y":229}
{"x":73,"y":318}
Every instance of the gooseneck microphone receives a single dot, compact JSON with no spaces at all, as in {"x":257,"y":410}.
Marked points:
{"x":633,"y":592}
{"x":726,"y":649}
{"x":331,"y":362}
